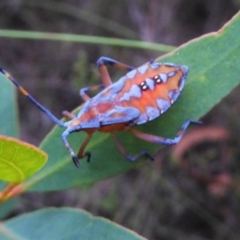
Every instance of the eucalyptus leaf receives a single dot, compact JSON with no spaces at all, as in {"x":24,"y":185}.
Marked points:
{"x":213,"y":60}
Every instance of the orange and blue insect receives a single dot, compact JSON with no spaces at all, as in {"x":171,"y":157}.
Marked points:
{"x":140,"y":96}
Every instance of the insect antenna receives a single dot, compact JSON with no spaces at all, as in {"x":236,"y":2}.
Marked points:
{"x":31,"y":98}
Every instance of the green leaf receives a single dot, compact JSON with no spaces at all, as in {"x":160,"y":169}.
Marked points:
{"x":214,"y":61}
{"x":64,"y":223}
{"x":8,"y":126}
{"x":19,"y":160}
{"x":8,"y":109}
{"x":7,"y":207}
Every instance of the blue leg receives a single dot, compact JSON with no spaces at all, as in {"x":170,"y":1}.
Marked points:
{"x":161,"y":140}
{"x":102,"y":63}
{"x":111,"y":62}
{"x":130,"y":158}
{"x":81,"y":153}
{"x":83,"y":91}
{"x":73,"y":155}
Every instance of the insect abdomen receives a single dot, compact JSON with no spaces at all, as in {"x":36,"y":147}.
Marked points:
{"x":153,"y":89}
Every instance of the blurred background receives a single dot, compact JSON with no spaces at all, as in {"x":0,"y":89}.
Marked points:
{"x":191,"y":191}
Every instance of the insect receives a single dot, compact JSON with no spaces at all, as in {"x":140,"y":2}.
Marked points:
{"x":142,"y":95}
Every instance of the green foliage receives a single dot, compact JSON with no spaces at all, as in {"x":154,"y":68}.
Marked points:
{"x":214,"y":71}
{"x":19,"y":160}
{"x":8,"y":109}
{"x":64,"y":223}
{"x":213,"y":74}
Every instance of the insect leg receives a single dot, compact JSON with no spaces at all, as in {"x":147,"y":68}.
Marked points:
{"x":68,"y":115}
{"x":102,"y":63}
{"x":81,"y":152}
{"x":126,"y":155}
{"x":162,"y":140}
{"x":31,"y":98}
{"x":83,"y":91}
{"x":67,"y":145}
